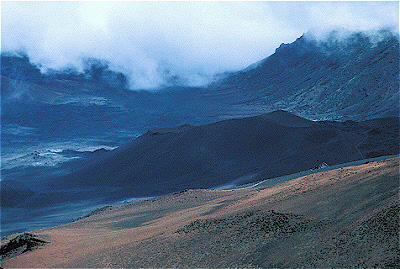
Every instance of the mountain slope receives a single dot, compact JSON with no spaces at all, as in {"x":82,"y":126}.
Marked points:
{"x":237,"y":150}
{"x":347,"y":217}
{"x":352,"y":77}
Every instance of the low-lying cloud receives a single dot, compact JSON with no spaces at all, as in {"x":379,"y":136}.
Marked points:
{"x":190,"y":42}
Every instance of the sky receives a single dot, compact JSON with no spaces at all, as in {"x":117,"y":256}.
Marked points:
{"x":194,"y":41}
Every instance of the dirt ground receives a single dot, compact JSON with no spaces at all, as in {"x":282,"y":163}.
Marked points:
{"x":348,"y":217}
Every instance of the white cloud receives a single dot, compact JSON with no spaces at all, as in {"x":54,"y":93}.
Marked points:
{"x":193,"y":40}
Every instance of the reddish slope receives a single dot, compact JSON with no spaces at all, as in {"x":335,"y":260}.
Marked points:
{"x":344,"y":217}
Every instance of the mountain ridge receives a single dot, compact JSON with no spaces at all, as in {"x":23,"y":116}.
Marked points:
{"x":328,"y":77}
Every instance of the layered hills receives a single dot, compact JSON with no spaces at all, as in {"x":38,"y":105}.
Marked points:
{"x":58,"y":127}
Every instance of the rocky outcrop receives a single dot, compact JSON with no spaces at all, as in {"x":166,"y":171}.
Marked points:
{"x":20,"y":244}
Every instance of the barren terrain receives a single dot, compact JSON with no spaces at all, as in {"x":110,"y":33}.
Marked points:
{"x":346,"y":217}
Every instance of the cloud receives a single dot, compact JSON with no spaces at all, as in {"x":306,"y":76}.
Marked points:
{"x":151,"y":42}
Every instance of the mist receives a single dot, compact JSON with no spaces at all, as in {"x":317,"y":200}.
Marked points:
{"x":190,"y":43}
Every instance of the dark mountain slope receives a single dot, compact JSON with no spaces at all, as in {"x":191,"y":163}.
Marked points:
{"x":353,"y":77}
{"x":237,"y":150}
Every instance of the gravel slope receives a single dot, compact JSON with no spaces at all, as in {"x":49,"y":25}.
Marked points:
{"x":346,"y":217}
